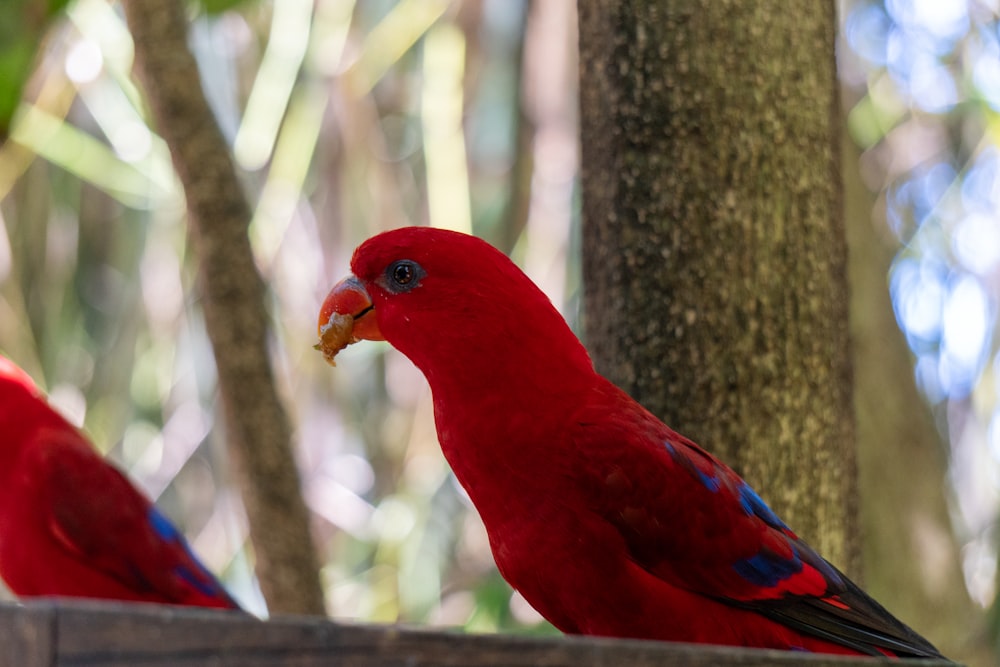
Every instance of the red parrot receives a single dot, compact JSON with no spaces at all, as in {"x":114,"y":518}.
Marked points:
{"x":606,"y":520}
{"x":73,"y":525}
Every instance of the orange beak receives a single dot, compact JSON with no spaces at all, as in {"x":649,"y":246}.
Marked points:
{"x":346,"y":317}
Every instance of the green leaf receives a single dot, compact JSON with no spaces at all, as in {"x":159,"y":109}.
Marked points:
{"x":212,"y":7}
{"x":23,"y":24}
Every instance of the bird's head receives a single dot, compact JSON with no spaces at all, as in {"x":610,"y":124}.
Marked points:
{"x":448,"y":301}
{"x":20,"y":403}
{"x":17,"y":390}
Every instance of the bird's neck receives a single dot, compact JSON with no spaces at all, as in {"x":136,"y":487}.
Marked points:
{"x":499,"y":416}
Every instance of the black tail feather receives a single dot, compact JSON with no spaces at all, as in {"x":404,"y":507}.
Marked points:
{"x":860,"y":623}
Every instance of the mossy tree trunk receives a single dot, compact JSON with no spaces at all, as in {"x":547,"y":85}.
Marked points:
{"x":713,"y":242}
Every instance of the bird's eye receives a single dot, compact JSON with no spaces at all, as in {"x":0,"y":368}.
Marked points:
{"x":403,"y":275}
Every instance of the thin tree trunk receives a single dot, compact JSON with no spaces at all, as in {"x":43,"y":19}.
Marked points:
{"x":236,"y":318}
{"x":911,"y":559}
{"x":713,"y":243}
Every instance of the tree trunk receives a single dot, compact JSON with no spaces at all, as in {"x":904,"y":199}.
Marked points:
{"x":257,"y":427}
{"x":714,"y":250}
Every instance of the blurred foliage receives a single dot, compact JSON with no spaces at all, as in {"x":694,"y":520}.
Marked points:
{"x":922,"y":82}
{"x":23,"y":26}
{"x":347,"y":118}
{"x":218,"y":6}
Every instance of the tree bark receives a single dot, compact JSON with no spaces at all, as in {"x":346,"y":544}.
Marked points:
{"x":257,"y":427}
{"x":713,"y":244}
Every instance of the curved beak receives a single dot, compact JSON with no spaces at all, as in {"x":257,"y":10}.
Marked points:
{"x":347,"y":316}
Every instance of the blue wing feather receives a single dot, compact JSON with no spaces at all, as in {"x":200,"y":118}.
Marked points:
{"x":191,"y":570}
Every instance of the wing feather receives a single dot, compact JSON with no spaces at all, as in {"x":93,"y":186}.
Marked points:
{"x":98,"y":516}
{"x":690,"y":520}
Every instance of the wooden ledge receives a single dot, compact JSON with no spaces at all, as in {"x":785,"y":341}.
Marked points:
{"x":60,"y":633}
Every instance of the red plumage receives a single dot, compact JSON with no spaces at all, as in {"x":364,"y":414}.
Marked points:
{"x":607,"y":521}
{"x":73,"y":525}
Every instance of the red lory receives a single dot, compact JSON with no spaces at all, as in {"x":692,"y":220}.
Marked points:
{"x":73,"y":525}
{"x":607,"y":521}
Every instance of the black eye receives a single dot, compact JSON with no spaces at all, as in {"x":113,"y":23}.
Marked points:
{"x":403,"y":275}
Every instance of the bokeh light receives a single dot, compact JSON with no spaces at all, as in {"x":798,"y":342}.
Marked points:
{"x":937,"y":160}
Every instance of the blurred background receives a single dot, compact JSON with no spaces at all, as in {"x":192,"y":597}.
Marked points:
{"x":348,"y":118}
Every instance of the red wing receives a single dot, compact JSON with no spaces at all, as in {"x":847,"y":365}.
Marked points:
{"x":690,"y":520}
{"x":694,"y":523}
{"x":102,"y":519}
